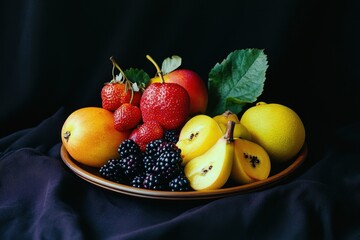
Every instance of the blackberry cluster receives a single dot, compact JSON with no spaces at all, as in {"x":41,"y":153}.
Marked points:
{"x":112,"y":171}
{"x":122,"y":170}
{"x":172,"y":135}
{"x":158,"y":168}
{"x":128,"y":147}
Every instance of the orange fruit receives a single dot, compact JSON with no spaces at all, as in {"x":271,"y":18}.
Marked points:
{"x":89,"y":136}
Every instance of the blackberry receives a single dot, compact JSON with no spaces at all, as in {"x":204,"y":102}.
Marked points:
{"x":168,"y":165}
{"x":158,"y":168}
{"x":128,"y":147}
{"x":179,"y":183}
{"x":138,"y":181}
{"x":170,"y":157}
{"x":168,"y":147}
{"x":153,"y":182}
{"x":165,"y":171}
{"x":152,"y":148}
{"x":149,"y":161}
{"x":112,"y":171}
{"x":172,"y":135}
{"x":131,"y":166}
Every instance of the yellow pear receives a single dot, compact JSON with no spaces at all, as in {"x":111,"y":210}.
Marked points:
{"x":198,"y":135}
{"x":89,"y":136}
{"x":225,"y":117}
{"x":251,"y":162}
{"x":240,"y":130}
{"x":212,"y":169}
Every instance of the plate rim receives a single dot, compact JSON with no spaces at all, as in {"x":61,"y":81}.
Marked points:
{"x":96,"y":180}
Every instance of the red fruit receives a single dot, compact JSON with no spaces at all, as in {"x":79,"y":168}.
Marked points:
{"x":115,"y":93}
{"x":126,"y":117}
{"x":145,"y":133}
{"x":166,"y":103}
{"x":118,"y":91}
{"x":193,"y":84}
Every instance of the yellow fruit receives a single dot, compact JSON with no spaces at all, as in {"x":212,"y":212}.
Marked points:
{"x":89,"y":136}
{"x":212,"y":169}
{"x":275,"y":127}
{"x":251,"y":162}
{"x":198,"y":135}
{"x":239,"y":130}
{"x":226,"y":116}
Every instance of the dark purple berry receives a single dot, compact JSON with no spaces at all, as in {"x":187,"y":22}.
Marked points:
{"x":112,"y":171}
{"x":179,"y":183}
{"x":153,"y":182}
{"x":172,"y":135}
{"x":138,"y":181}
{"x":128,"y":147}
{"x":152,"y":148}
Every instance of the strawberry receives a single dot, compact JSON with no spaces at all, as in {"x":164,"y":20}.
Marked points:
{"x":166,"y":103}
{"x":126,"y":117}
{"x":145,"y":133}
{"x":118,"y":91}
{"x":115,"y":93}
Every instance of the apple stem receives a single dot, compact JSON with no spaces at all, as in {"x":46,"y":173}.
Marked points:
{"x":159,"y":72}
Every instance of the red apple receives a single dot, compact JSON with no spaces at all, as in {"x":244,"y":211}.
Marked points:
{"x":193,"y":84}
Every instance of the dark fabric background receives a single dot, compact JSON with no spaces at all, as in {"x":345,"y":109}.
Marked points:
{"x":54,"y":58}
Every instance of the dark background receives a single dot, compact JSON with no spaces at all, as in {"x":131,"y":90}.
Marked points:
{"x":56,"y":54}
{"x":54,"y":58}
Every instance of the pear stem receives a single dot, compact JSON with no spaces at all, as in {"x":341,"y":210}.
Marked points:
{"x":229,"y":134}
{"x":159,"y":72}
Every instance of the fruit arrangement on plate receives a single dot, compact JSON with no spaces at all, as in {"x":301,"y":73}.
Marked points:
{"x":174,"y":132}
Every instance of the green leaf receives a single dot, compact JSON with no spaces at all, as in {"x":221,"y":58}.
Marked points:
{"x":236,"y":81}
{"x":170,"y":64}
{"x":138,"y":76}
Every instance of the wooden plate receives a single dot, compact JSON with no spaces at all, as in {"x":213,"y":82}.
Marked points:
{"x":278,"y":173}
